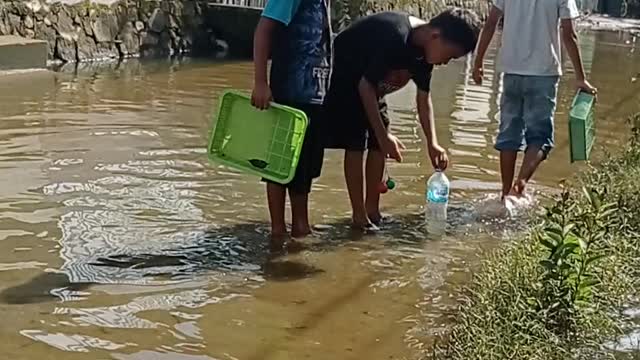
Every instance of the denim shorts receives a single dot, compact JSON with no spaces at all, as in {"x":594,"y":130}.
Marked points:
{"x":527,"y":108}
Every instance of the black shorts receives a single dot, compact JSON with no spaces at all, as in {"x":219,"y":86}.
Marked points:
{"x":346,"y":120}
{"x":312,"y":154}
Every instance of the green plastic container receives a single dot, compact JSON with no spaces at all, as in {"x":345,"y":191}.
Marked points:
{"x":582,"y":128}
{"x":263,"y":143}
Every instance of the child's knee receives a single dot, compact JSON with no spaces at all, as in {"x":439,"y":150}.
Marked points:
{"x":510,"y":139}
{"x":541,"y":134}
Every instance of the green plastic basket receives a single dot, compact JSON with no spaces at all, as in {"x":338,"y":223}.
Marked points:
{"x":263,"y":143}
{"x":582,"y":128}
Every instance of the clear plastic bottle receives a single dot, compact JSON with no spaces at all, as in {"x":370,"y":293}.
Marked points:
{"x":437,"y":202}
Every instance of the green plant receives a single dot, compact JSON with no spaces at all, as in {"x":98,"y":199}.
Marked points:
{"x":557,"y":292}
{"x":571,"y":234}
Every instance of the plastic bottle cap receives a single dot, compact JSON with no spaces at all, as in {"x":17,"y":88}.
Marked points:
{"x":391,"y":184}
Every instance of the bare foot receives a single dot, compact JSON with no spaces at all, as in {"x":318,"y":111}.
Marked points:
{"x":294,"y":246}
{"x":375,"y":218}
{"x":300,"y":233}
{"x":518,"y":188}
{"x":359,"y":221}
{"x":277,"y":242}
{"x":380,"y":219}
{"x":367,"y":227}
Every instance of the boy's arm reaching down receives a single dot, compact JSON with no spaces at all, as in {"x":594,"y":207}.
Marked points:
{"x":389,"y":144}
{"x":375,"y":71}
{"x":570,"y":40}
{"x":483,"y":44}
{"x":437,"y":154}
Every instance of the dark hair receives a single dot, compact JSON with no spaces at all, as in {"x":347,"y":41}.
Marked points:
{"x":460,"y":26}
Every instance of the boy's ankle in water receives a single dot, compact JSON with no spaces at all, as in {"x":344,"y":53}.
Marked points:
{"x":279,"y":232}
{"x":277,"y":241}
{"x":300,"y":232}
{"x":375,"y":218}
{"x":373,"y":212}
{"x":359,"y":220}
{"x":365,"y":226}
{"x":518,"y":188}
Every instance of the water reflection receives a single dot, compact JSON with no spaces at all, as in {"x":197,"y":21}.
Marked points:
{"x":44,"y":288}
{"x":154,"y":355}
{"x":119,"y":222}
{"x":72,"y":343}
{"x":126,"y":316}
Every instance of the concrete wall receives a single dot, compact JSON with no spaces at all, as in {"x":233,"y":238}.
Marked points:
{"x":19,"y":53}
{"x":588,"y":6}
{"x":102,"y":29}
{"x":81,"y":30}
{"x":344,"y":11}
{"x":235,"y":26}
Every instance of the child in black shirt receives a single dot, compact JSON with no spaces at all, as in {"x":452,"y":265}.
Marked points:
{"x":375,"y":56}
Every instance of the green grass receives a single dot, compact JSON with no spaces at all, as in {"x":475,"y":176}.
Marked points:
{"x":557,"y":292}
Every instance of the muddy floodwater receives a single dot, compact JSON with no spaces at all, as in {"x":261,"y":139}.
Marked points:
{"x":119,"y":240}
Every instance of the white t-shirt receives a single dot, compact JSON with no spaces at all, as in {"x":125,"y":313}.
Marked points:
{"x":531,"y":35}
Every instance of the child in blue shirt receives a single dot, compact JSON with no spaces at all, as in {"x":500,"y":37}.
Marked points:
{"x":296,"y":35}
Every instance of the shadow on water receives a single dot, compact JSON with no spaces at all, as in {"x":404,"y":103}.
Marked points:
{"x":228,"y":249}
{"x":235,"y":248}
{"x":42,"y":288}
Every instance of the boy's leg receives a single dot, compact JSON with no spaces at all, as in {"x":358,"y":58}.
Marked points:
{"x":354,"y":176}
{"x":299,"y":214}
{"x":309,"y":168}
{"x":533,"y":157}
{"x":508,"y":160}
{"x":511,"y":134}
{"x":275,"y":198}
{"x":375,"y":170}
{"x":347,"y":126}
{"x":539,"y":109}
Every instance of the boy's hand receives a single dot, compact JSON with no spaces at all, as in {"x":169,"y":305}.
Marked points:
{"x":392,"y":146}
{"x":478,"y":74}
{"x":586,"y":86}
{"x":439,"y":158}
{"x":261,"y":96}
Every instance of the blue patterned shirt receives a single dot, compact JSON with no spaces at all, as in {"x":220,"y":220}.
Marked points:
{"x":301,"y":52}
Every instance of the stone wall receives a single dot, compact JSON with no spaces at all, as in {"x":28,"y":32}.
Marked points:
{"x":104,"y":29}
{"x":344,"y":11}
{"x":81,"y":30}
{"x":430,"y":8}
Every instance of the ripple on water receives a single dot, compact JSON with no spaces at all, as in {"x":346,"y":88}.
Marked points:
{"x":166,"y":355}
{"x":126,"y":316}
{"x":144,"y":220}
{"x":118,"y":154}
{"x":72,"y":342}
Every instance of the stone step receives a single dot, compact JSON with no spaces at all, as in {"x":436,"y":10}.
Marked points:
{"x":17,"y":53}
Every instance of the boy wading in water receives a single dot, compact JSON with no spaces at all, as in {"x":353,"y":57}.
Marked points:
{"x":296,"y":35}
{"x":375,"y":56}
{"x":530,"y":61}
